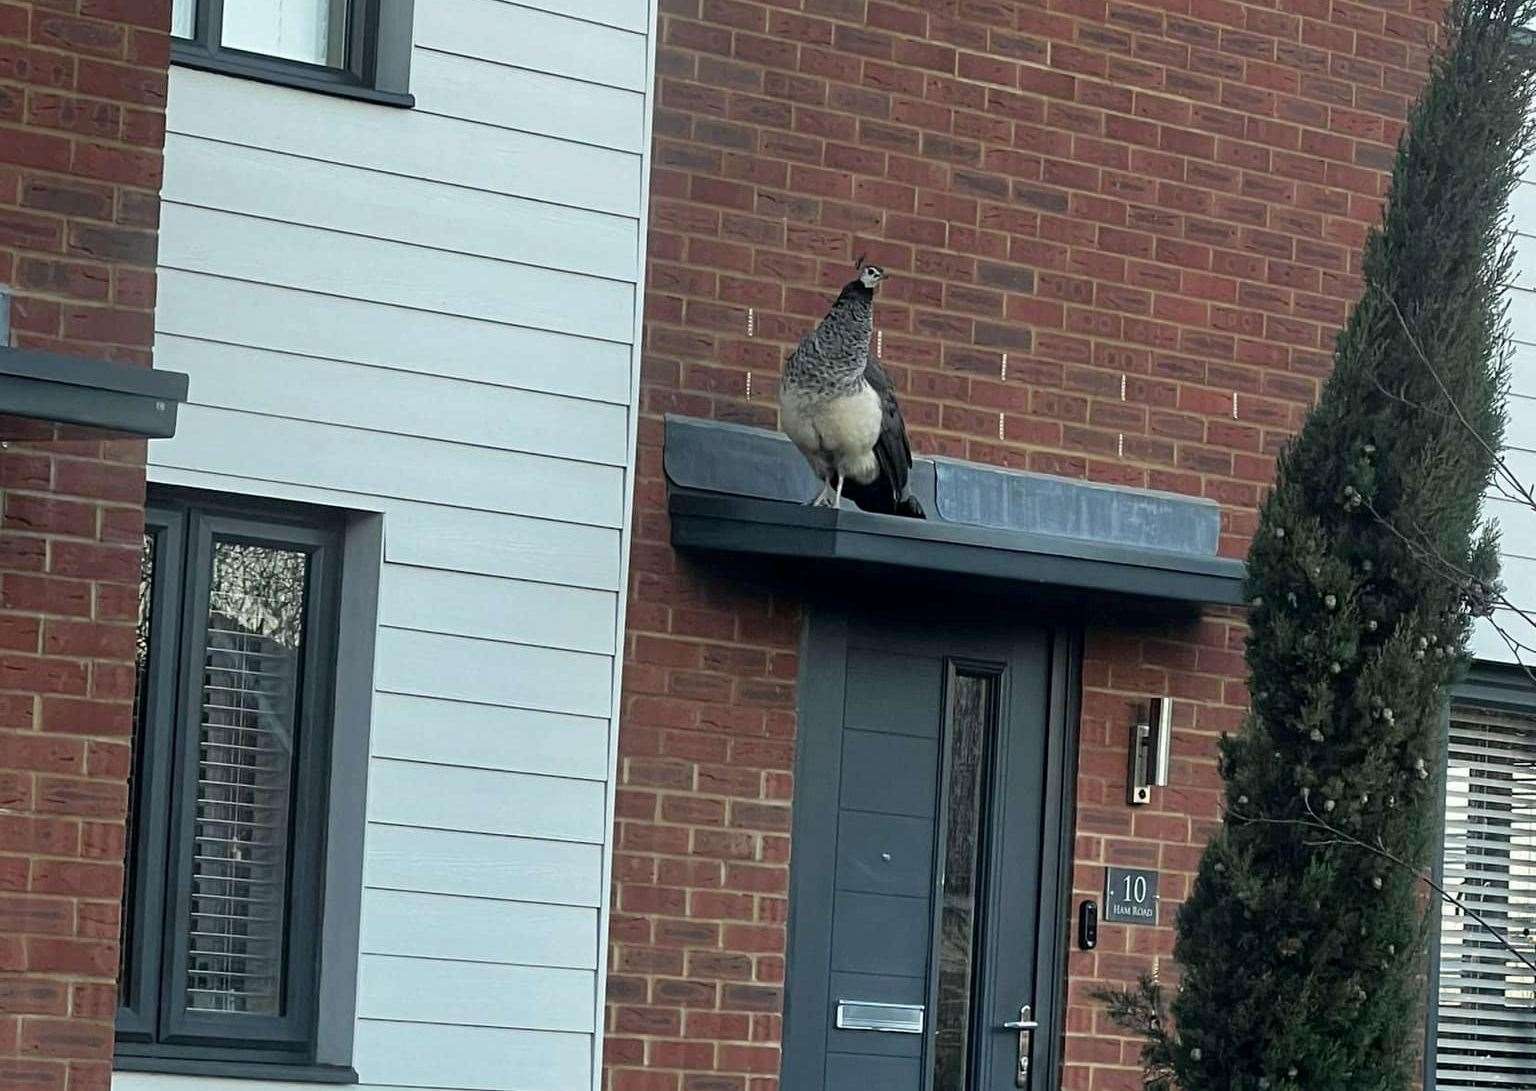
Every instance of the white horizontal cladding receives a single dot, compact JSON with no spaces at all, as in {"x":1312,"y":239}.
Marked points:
{"x":445,"y":926}
{"x":493,"y":673}
{"x":523,"y":740}
{"x":399,"y":274}
{"x":402,"y":402}
{"x":410,"y":143}
{"x":457,"y":539}
{"x":477,"y":865}
{"x":1522,"y":205}
{"x":157,"y":1081}
{"x":451,"y":797}
{"x":1522,"y":362}
{"x":630,"y":15}
{"x":1522,"y":324}
{"x":249,"y":445}
{"x":393,"y":1054}
{"x":1520,"y":407}
{"x":1517,"y":525}
{"x":491,"y":608}
{"x":494,"y":544}
{"x":217,"y":308}
{"x":337,"y":197}
{"x":1523,"y":268}
{"x":542,"y":41}
{"x":493,"y":94}
{"x":1491,"y":639}
{"x":420,"y":990}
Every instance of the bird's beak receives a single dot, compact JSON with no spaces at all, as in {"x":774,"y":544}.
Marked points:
{"x":859,"y":264}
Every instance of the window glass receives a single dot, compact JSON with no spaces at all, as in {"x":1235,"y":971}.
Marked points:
{"x":311,"y":31}
{"x":240,"y":846}
{"x":140,"y":688}
{"x":183,"y":18}
{"x":971,"y":726}
{"x":1486,"y":1033}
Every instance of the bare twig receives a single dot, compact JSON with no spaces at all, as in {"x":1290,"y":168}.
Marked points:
{"x":1501,"y":467}
{"x":1316,"y":822}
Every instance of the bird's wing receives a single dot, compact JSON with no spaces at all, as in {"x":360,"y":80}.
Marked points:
{"x":893,"y":450}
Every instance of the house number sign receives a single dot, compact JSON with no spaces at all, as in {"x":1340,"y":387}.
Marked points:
{"x":1130,"y":896}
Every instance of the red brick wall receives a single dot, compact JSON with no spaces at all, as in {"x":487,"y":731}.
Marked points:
{"x":82,"y":95}
{"x":1165,"y":193}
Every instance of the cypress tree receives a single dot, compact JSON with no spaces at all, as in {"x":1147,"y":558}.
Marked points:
{"x":1301,"y":954}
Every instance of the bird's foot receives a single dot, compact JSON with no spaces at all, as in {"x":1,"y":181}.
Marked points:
{"x":824,"y":498}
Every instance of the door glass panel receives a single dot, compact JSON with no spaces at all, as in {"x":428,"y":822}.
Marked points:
{"x":240,"y":873}
{"x":972,"y":707}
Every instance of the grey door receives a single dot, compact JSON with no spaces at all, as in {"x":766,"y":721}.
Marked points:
{"x":924,"y":904}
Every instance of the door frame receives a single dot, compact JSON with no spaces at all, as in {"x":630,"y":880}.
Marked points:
{"x":823,"y":658}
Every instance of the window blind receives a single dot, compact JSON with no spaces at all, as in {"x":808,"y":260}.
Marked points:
{"x":1486,"y":1031}
{"x":241,"y":843}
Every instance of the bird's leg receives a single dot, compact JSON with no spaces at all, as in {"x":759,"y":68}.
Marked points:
{"x":837,"y":501}
{"x":824,"y":497}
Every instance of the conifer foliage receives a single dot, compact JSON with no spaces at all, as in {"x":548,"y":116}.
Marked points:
{"x":1301,"y":956}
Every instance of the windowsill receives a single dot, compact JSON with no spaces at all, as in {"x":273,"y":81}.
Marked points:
{"x":235,"y":1070}
{"x":283,"y":75}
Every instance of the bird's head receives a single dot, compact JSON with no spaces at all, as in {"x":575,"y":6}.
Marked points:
{"x":870,"y":275}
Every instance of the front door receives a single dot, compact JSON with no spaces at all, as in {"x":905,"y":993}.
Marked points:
{"x":924,"y":906}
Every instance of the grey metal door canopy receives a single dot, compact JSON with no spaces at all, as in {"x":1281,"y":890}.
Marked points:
{"x":119,"y":399}
{"x":745,"y":490}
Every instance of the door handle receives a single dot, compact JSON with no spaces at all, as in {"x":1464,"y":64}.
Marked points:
{"x":1026,"y":1026}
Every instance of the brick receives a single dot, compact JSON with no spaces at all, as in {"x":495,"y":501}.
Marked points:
{"x":115,"y":244}
{"x":32,"y":1074}
{"x":66,"y":1038}
{"x":93,"y":640}
{"x":111,"y":163}
{"x":23,"y":915}
{"x":108,"y":324}
{"x":86,"y":117}
{"x":100,"y":481}
{"x":41,"y":753}
{"x":35,"y":67}
{"x":40,"y":675}
{"x":86,"y":798}
{"x":100,"y":562}
{"x":94,"y":1001}
{"x":30,"y":231}
{"x":72,"y":35}
{"x":71,"y":716}
{"x":43,"y":836}
{"x":121,"y":83}
{"x":33,"y":996}
{"x":65,"y":956}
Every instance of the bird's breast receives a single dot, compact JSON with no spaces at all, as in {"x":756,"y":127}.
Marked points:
{"x":847,"y":424}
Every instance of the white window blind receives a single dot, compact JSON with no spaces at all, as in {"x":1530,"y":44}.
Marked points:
{"x":241,"y":843}
{"x":1486,"y":1032}
{"x":312,"y":31}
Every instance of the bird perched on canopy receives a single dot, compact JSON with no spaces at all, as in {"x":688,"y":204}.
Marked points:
{"x":837,"y":404}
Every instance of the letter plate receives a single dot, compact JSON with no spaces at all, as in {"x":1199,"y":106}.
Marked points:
{"x":886,"y":1018}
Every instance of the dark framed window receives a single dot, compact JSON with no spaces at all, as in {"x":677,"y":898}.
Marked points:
{"x":357,"y":48}
{"x":223,"y":903}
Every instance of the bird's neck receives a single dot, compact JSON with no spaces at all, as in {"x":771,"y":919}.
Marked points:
{"x":832,"y":359}
{"x":856,"y":293}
